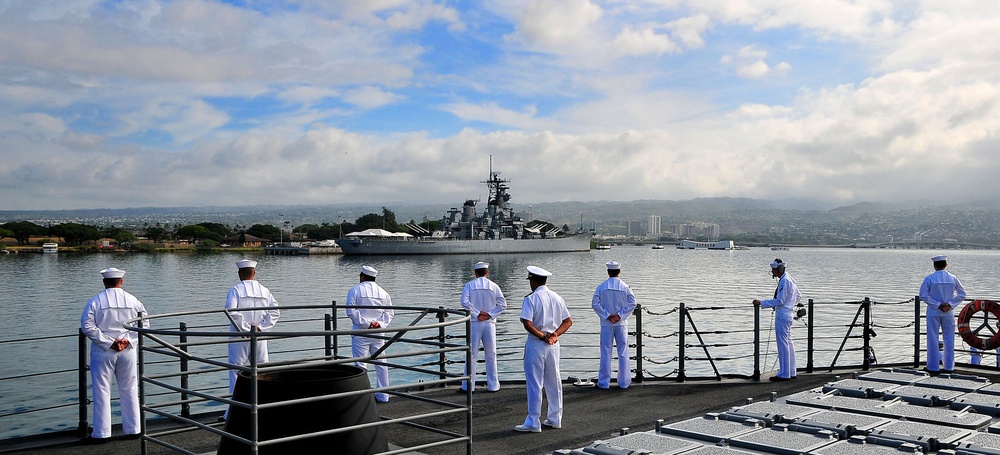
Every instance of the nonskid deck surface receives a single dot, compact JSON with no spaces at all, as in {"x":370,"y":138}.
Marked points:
{"x":821,"y":413}
{"x":889,"y":411}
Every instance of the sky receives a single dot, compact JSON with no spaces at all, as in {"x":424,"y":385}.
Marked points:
{"x":190,"y":103}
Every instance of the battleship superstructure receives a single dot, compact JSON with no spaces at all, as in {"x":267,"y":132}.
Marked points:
{"x":496,"y":230}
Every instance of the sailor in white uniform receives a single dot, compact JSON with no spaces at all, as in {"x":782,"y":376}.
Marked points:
{"x":545,"y":318}
{"x":258,"y":312}
{"x":941,"y":291}
{"x":113,"y":354}
{"x":485,"y":301}
{"x":367,"y":293}
{"x":614,"y":302}
{"x":786,"y":296}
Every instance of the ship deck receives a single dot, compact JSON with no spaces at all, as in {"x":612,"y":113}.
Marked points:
{"x":590,"y":415}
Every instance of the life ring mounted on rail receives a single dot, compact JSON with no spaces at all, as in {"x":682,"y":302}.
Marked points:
{"x":972,"y":336}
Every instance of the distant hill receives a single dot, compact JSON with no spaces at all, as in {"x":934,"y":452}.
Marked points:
{"x":788,"y":220}
{"x":557,"y":212}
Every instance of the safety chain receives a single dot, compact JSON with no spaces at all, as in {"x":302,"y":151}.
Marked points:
{"x":649,"y":335}
{"x":647,"y":373}
{"x":659,"y":363}
{"x":447,"y":337}
{"x":910,"y":300}
{"x":893,"y":326}
{"x":647,"y":311}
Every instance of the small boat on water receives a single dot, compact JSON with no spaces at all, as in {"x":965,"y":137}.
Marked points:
{"x":50,"y":247}
{"x":603,"y":246}
{"x":779,"y":248}
{"x":693,"y":245}
{"x":657,"y":247}
{"x":323,"y":244}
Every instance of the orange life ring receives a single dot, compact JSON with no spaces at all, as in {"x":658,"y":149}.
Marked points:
{"x":972,"y":336}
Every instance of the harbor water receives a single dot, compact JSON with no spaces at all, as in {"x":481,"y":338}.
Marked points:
{"x":43,"y":296}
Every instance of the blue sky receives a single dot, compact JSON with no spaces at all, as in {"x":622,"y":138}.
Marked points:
{"x":195,"y":102}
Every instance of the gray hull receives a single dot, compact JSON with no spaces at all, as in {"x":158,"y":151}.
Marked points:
{"x":363,"y":246}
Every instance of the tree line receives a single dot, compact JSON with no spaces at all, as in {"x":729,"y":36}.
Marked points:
{"x":76,"y":234}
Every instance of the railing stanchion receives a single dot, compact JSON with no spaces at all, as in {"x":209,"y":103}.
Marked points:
{"x":866,"y":360}
{"x":810,"y":339}
{"x":333,"y":320}
{"x":327,"y":342}
{"x":756,"y":343}
{"x":470,"y":378}
{"x":82,"y":382}
{"x":185,"y":406}
{"x":916,"y":332}
{"x":441,"y":339}
{"x":638,"y":344}
{"x":254,"y":403}
{"x":680,"y":343}
{"x":140,"y":360}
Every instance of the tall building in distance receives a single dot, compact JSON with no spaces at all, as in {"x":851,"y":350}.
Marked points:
{"x":634,"y":229}
{"x":654,"y":226}
{"x":709,"y":231}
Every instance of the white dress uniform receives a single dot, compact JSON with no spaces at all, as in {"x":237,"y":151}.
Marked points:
{"x":483,"y":295}
{"x":367,"y":293}
{"x":102,"y":321}
{"x":786,"y":296}
{"x":614,"y":296}
{"x":546,"y":310}
{"x":251,"y":295}
{"x":937,"y":289}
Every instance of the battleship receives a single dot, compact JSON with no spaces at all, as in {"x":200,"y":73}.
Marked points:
{"x":497,"y":230}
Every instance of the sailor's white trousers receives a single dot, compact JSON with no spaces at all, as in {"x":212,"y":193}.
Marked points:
{"x":541,"y":373}
{"x":106,"y":364}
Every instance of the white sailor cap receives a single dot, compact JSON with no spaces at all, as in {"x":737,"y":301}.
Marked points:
{"x":939,"y":258}
{"x":481,"y":265}
{"x":537,"y":271}
{"x":246,"y":264}
{"x":369,"y":270}
{"x":778,"y":263}
{"x":112,"y":272}
{"x":614,"y":265}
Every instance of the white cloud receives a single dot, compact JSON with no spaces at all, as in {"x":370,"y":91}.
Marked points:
{"x":35,"y":124}
{"x":751,"y":52}
{"x":690,"y":30}
{"x":840,"y":19}
{"x":759,"y":69}
{"x":750,"y":63}
{"x":307,"y":94}
{"x":492,"y":113}
{"x":370,"y":97}
{"x":555,"y":25}
{"x":419,"y":13}
{"x":643,"y":42}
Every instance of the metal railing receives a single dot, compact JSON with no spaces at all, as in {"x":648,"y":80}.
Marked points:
{"x":184,"y":365}
{"x":297,"y":349}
